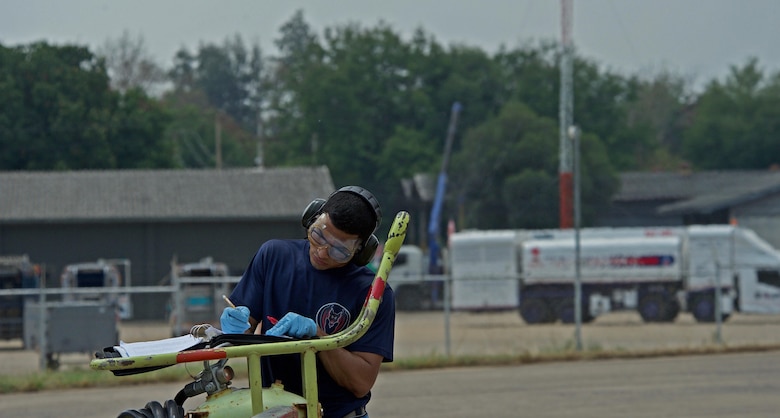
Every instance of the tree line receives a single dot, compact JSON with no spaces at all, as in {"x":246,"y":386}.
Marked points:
{"x":374,"y":108}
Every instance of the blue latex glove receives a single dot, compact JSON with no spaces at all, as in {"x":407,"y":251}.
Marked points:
{"x":234,"y":320}
{"x":294,"y":325}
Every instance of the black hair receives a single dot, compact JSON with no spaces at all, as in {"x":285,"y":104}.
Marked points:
{"x":351,"y":213}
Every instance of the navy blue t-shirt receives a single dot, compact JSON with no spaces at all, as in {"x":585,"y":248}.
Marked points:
{"x":281,"y":279}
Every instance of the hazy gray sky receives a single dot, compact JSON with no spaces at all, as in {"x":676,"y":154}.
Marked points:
{"x":696,"y":38}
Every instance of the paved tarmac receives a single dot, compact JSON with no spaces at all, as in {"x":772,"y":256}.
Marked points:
{"x":712,"y":386}
{"x":733,"y":385}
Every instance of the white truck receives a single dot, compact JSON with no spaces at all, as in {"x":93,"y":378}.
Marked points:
{"x":655,"y":271}
{"x":485,"y":269}
{"x":415,"y":289}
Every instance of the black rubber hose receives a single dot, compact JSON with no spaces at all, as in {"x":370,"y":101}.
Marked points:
{"x":131,"y":413}
{"x":137,"y":413}
{"x":174,"y":409}
{"x":181,"y":397}
{"x":154,"y":409}
{"x":157,"y":409}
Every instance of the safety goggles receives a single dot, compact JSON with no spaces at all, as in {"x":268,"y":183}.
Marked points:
{"x":337,"y":250}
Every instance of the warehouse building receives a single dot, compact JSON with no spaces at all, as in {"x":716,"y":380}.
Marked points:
{"x":152,"y":217}
{"x":748,"y":198}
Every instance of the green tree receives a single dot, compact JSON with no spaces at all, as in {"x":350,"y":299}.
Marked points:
{"x":506,"y":173}
{"x":530,"y":75}
{"x":182,"y":75}
{"x":602,"y":100}
{"x":288,"y":141}
{"x":230,"y":76}
{"x":220,"y":88}
{"x":192,"y":133}
{"x":348,"y":98}
{"x":736,"y":123}
{"x":139,"y":124}
{"x":374,"y":108}
{"x":59,"y":113}
{"x":130,"y":65}
{"x":342,"y":101}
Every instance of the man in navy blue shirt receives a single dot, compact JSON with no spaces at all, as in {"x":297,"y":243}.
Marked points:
{"x":317,"y":286}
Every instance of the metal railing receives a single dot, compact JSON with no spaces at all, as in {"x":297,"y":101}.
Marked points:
{"x":44,"y":295}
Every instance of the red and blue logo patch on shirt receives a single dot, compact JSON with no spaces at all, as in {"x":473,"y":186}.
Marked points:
{"x":333,"y":318}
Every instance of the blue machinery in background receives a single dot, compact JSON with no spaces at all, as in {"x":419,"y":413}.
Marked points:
{"x":438,"y":201}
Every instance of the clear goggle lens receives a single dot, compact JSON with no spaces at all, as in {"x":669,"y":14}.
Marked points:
{"x":335,"y":252}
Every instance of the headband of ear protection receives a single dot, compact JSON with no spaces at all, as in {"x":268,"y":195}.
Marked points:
{"x":367,"y":248}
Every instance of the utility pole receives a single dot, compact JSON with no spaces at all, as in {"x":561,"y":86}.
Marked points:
{"x":570,"y":143}
{"x":574,"y":136}
{"x":566,"y":119}
{"x":217,"y":141}
{"x":259,"y":156}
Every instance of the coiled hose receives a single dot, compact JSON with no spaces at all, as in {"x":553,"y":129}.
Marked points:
{"x":154,"y":409}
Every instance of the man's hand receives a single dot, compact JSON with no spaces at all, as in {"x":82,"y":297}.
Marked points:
{"x":295,"y":326}
{"x":234,"y":320}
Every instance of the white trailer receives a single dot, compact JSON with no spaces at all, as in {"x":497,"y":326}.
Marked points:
{"x":655,"y":271}
{"x":643,"y":274}
{"x":485,"y":269}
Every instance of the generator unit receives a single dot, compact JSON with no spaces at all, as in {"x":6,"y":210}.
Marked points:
{"x":16,"y":272}
{"x":98,"y":281}
{"x":198,"y":298}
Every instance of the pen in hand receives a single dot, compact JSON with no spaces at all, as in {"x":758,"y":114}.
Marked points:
{"x":271,"y":319}
{"x":228,"y":301}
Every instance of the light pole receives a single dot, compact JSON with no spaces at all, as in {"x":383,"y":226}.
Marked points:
{"x":566,"y":118}
{"x":574,"y":136}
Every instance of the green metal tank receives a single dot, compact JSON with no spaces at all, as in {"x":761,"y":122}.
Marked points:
{"x":237,"y":403}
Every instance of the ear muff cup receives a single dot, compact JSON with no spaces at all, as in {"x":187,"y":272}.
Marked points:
{"x":367,"y":251}
{"x":311,"y":212}
{"x":368,"y":248}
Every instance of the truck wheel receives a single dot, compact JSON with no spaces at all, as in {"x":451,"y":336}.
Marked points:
{"x":653,"y":308}
{"x":703,"y":309}
{"x":565,"y":311}
{"x":536,"y":311}
{"x":672,"y":310}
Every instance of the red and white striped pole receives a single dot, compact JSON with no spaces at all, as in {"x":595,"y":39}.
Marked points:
{"x":565,"y":183}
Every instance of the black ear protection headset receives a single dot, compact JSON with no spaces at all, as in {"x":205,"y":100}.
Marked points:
{"x":367,"y":248}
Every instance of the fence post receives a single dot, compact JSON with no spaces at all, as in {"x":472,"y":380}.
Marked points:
{"x":447,"y":309}
{"x":42,"y":320}
{"x":178,"y":298}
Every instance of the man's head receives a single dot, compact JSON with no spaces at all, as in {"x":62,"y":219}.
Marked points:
{"x":351,"y":212}
{"x":343,"y":224}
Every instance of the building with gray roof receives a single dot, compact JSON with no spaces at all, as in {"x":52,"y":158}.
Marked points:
{"x":750,"y":198}
{"x":151,"y":217}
